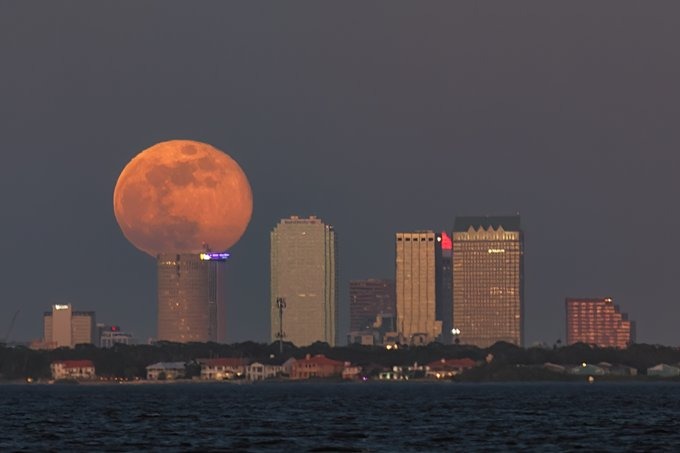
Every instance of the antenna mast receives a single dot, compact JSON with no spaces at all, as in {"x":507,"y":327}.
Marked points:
{"x":281,"y":304}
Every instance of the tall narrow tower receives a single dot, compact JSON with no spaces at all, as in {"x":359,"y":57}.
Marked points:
{"x":304,"y":273}
{"x":191,"y":297}
{"x":418,"y":257}
{"x":488,"y":280}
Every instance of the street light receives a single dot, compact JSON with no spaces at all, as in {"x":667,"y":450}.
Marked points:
{"x":455,"y":332}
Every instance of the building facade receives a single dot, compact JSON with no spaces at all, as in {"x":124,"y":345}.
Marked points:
{"x":191,"y":305}
{"x":598,"y":322}
{"x":318,"y":366}
{"x":64,"y":327}
{"x":304,"y":274}
{"x":488,"y":280}
{"x":73,"y":369}
{"x":112,"y":335}
{"x":368,"y":299}
{"x":225,"y":368}
{"x":162,"y":371}
{"x":445,"y":296}
{"x":418,"y":262}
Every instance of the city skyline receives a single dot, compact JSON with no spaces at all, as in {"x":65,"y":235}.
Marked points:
{"x":413,"y":116}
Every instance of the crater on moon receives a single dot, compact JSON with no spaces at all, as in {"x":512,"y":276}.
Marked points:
{"x":181,"y":196}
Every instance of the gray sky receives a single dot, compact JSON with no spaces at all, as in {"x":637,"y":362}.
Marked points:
{"x":375,"y":116}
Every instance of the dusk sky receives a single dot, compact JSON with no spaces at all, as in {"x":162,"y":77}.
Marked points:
{"x":377,"y":117}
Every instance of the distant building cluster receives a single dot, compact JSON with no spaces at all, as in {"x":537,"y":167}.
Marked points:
{"x":65,"y":327}
{"x":462,"y":286}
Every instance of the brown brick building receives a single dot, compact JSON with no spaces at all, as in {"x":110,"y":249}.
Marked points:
{"x":318,"y":366}
{"x":368,"y":299}
{"x":598,"y":322}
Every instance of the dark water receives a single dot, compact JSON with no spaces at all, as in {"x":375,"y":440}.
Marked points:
{"x":341,"y":417}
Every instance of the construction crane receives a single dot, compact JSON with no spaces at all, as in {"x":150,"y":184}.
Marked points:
{"x":11,"y":326}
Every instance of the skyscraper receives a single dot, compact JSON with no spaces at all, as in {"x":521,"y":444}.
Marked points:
{"x":418,"y":262}
{"x":445,"y":296}
{"x":488,"y":280}
{"x":598,"y":322}
{"x":304,"y":273}
{"x":368,"y":299}
{"x":65,"y":327}
{"x":191,"y":297}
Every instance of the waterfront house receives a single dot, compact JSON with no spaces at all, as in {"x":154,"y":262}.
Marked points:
{"x":266,"y":369}
{"x":166,"y":371}
{"x":391,"y":375}
{"x":287,"y":366}
{"x":351,"y":372}
{"x":663,"y":370}
{"x":73,"y":369}
{"x":623,"y":370}
{"x":318,"y":366}
{"x":586,"y":369}
{"x":447,"y":368}
{"x":224,"y":368}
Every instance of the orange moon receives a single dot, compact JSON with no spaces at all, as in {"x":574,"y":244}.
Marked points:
{"x":182,"y":196}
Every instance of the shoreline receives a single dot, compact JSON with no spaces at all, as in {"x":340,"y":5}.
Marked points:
{"x":143,"y":382}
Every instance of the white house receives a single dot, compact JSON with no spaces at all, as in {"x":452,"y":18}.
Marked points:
{"x":259,"y":371}
{"x":663,"y":370}
{"x":223,"y":368}
{"x":166,"y":370}
{"x":72,"y":369}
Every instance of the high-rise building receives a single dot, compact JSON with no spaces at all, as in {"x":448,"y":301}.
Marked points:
{"x":488,"y":280}
{"x":304,"y":274}
{"x":65,"y":327}
{"x":445,"y":296}
{"x":418,"y":264}
{"x":368,"y":299}
{"x":191,"y":297}
{"x":598,"y":322}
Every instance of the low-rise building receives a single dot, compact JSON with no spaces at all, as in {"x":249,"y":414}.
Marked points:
{"x":586,"y":369}
{"x":623,"y":370}
{"x":617,"y":370}
{"x":554,"y":367}
{"x":166,"y":371}
{"x":287,"y":367}
{"x":112,"y":335}
{"x":390,"y":375}
{"x":224,"y":368}
{"x":364,"y":338}
{"x":318,"y":366}
{"x":351,"y":372}
{"x":447,"y":368}
{"x":259,"y":371}
{"x":663,"y":370}
{"x":73,"y":369}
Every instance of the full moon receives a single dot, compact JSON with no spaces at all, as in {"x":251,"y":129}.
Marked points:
{"x":182,"y":196}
